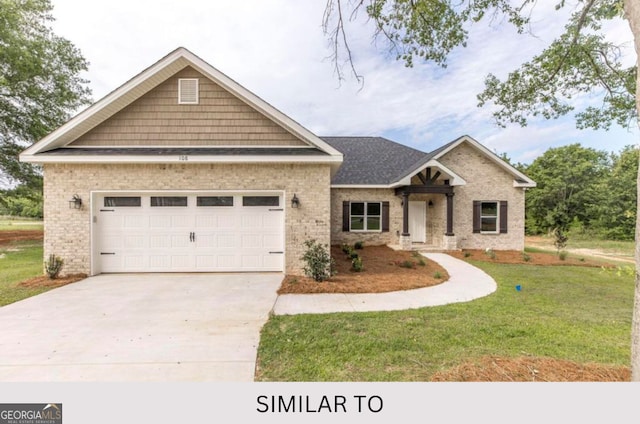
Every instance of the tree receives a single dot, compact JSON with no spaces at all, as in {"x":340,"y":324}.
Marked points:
{"x":568,"y":187}
{"x":615,"y":216}
{"x":579,"y":61}
{"x":40,"y":83}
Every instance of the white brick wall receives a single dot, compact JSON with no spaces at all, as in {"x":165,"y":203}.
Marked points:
{"x":67,"y":231}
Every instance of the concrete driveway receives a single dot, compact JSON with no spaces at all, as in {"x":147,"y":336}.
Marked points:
{"x":139,"y":327}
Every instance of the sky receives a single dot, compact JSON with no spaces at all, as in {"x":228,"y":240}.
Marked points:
{"x":277,"y":50}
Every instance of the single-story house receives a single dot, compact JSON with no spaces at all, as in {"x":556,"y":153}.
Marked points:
{"x":181,"y":169}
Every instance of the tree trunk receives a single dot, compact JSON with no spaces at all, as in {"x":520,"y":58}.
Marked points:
{"x":632,"y":14}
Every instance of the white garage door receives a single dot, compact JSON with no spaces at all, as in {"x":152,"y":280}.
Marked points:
{"x":177,"y":232}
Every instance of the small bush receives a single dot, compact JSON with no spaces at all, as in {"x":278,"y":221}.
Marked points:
{"x":421,"y":262}
{"x":53,"y":266}
{"x":562,"y":255}
{"x":346,"y":249}
{"x":358,"y":245}
{"x":407,"y":264}
{"x":437,"y":275}
{"x":356,"y":264}
{"x":490,"y":253}
{"x":560,"y":240}
{"x":467,"y":254}
{"x":319,"y":263}
{"x":526,"y":257}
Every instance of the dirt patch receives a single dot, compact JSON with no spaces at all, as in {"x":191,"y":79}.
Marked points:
{"x":530,"y":258}
{"x":44,"y":281}
{"x":8,"y":236}
{"x":382,"y":273}
{"x":531,"y":369}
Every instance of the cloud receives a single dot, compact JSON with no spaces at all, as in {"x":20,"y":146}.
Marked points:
{"x":277,"y":50}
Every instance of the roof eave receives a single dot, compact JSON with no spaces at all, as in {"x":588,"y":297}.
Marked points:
{"x":132,"y":159}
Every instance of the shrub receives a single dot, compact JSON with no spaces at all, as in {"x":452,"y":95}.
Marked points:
{"x":421,"y":262}
{"x":526,"y":257}
{"x":319,"y":263}
{"x":353,"y":255}
{"x":356,"y":264}
{"x":407,"y":264}
{"x":467,"y":254}
{"x":53,"y":266}
{"x":490,"y":253}
{"x":560,"y":240}
{"x":358,"y":245}
{"x":437,"y":275}
{"x":562,"y":255}
{"x":346,"y":249}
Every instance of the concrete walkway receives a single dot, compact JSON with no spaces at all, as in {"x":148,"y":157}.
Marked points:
{"x":465,"y":283}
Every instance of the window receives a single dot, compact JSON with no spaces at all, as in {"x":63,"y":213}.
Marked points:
{"x":489,"y":217}
{"x":122,"y":202}
{"x":188,"y":91}
{"x":365,"y":216}
{"x":168,"y":201}
{"x":215,"y":201}
{"x":260,"y":201}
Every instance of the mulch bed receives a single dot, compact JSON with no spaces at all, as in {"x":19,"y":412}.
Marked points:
{"x":518,"y":257}
{"x":382,"y":273}
{"x":9,"y":236}
{"x":45,"y":281}
{"x":532,"y":369}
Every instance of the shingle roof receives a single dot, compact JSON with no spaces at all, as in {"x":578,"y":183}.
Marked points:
{"x":373,"y":160}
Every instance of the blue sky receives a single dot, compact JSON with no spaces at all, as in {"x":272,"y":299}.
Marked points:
{"x":276,"y":48}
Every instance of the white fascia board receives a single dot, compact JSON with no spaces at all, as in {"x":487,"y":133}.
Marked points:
{"x":493,"y":157}
{"x":455,"y":179}
{"x":178,"y":159}
{"x":524,"y":185}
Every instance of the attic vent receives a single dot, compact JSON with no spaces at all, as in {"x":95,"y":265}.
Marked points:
{"x":188,"y":91}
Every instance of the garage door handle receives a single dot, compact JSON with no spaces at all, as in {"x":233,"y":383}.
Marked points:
{"x":276,"y":253}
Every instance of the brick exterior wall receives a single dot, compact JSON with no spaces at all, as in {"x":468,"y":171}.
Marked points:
{"x":67,"y":231}
{"x":486,"y":181}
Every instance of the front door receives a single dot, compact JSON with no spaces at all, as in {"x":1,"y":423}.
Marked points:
{"x":417,"y":221}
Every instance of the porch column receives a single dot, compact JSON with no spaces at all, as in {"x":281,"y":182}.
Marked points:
{"x":449,"y":215}
{"x":405,"y":214}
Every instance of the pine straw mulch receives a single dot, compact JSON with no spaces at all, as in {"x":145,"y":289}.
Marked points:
{"x":532,"y":369}
{"x":382,"y":273}
{"x":45,"y":281}
{"x":534,"y":258}
{"x":9,"y":236}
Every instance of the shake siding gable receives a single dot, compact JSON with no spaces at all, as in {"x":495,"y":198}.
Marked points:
{"x":157,"y":119}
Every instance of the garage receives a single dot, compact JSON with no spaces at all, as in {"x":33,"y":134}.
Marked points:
{"x":187,"y":232}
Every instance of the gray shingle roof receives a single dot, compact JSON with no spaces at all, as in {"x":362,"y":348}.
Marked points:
{"x":374,"y":160}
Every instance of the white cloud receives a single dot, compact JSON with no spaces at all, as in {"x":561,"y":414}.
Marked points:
{"x":276,"y":49}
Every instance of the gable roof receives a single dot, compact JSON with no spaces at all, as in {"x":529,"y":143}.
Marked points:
{"x":146,"y":81}
{"x":379,"y":162}
{"x":520,"y":180}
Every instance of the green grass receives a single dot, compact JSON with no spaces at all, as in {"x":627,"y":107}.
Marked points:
{"x":11,"y":223}
{"x":623,"y":248}
{"x":580,"y":314}
{"x":19,"y":261}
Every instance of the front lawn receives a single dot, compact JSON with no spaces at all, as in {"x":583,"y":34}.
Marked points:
{"x":19,"y":261}
{"x":582,"y":314}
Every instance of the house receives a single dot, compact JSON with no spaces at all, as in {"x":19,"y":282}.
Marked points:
{"x":182,"y":169}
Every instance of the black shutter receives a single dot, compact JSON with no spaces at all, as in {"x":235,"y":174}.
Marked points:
{"x":503,"y":217}
{"x":385,"y":217}
{"x":476,"y":216}
{"x":345,"y":215}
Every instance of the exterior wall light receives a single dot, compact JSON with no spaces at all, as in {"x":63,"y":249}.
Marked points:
{"x":75,"y":202}
{"x":295,"y":202}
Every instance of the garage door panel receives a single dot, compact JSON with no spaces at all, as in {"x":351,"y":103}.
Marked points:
{"x":135,"y":221}
{"x":204,"y":237}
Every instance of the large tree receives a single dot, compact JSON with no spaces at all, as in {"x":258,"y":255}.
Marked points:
{"x":40,"y":82}
{"x":579,"y":61}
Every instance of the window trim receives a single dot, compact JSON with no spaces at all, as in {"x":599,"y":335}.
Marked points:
{"x":365,"y":217}
{"x":496,"y":216}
